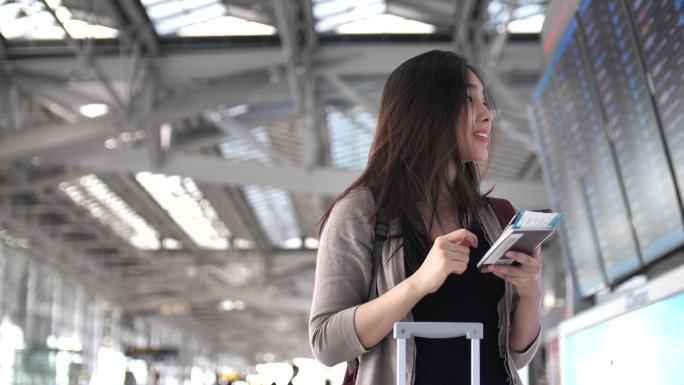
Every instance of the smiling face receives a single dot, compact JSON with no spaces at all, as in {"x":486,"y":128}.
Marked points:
{"x":474,"y":123}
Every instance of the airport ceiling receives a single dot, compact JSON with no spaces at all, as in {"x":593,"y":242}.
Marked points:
{"x":176,"y":155}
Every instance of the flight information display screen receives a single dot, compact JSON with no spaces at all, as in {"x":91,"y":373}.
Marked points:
{"x":566,"y":194}
{"x":633,"y":128}
{"x":642,"y":346}
{"x":660,"y":31}
{"x":593,"y":155}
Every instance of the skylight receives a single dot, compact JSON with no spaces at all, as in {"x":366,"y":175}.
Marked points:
{"x":200,"y":18}
{"x":227,"y":26}
{"x":276,"y":214}
{"x":351,"y":134}
{"x":107,"y":207}
{"x":530,"y":24}
{"x":186,"y":205}
{"x":239,"y":149}
{"x":30,"y":20}
{"x":527,"y":16}
{"x":385,"y":23}
{"x":273,"y":207}
{"x":363,"y":17}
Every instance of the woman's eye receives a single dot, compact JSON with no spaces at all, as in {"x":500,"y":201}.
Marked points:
{"x":469,"y":98}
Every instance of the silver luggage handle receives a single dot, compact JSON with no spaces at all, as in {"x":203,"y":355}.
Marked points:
{"x":471,"y":330}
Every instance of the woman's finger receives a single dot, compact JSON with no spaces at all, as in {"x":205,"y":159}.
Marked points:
{"x":459,"y":267}
{"x":517,"y":256}
{"x":454,"y":248}
{"x":511,"y":271}
{"x":505,"y":277}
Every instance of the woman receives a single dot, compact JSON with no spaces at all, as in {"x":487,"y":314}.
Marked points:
{"x":434,"y":125}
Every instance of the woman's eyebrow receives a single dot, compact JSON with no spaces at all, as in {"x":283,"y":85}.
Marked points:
{"x":470,"y":86}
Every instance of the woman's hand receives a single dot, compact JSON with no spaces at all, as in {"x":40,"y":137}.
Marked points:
{"x":524,"y":277}
{"x":449,"y":254}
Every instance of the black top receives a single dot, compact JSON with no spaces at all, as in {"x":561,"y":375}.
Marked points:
{"x":469,"y":297}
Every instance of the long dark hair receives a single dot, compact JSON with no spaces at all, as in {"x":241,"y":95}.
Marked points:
{"x":416,"y":139}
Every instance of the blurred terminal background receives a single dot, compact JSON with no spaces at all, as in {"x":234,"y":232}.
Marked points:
{"x":164,"y":165}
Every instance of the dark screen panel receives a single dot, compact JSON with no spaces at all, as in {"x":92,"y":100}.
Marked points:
{"x":566,"y":194}
{"x":660,"y":31}
{"x":592,"y":153}
{"x":633,"y":128}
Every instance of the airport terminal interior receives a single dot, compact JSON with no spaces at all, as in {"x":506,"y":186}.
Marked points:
{"x":164,"y":165}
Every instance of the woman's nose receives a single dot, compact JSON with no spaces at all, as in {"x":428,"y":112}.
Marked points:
{"x":485,"y":114}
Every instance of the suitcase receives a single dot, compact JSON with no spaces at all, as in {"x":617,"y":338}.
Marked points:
{"x":471,"y":330}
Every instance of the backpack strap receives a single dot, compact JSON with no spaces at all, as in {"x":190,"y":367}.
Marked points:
{"x":503,"y":209}
{"x":379,"y":238}
{"x":381,"y":229}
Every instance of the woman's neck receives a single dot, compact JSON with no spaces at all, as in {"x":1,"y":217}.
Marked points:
{"x":441,"y":221}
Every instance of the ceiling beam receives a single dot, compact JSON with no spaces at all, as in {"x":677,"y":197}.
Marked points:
{"x":54,"y":88}
{"x":236,"y":128}
{"x":69,"y":138}
{"x":8,"y":105}
{"x":86,"y":57}
{"x":460,"y":38}
{"x":350,"y":93}
{"x":342,"y":59}
{"x":76,"y":138}
{"x":513,"y":132}
{"x":3,"y":48}
{"x":144,"y":31}
{"x":260,"y":299}
{"x":286,"y":23}
{"x":320,"y":181}
{"x":430,"y":12}
{"x":204,"y":169}
{"x":309,"y":26}
{"x":177,"y":67}
{"x":72,"y":263}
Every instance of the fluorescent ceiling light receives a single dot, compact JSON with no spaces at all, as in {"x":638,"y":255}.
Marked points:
{"x":385,"y":23}
{"x":107,"y":207}
{"x":311,"y":243}
{"x":188,"y":207}
{"x":93,"y":110}
{"x":242,"y":244}
{"x":229,"y":305}
{"x":174,"y":309}
{"x":292,"y":243}
{"x":237,"y":109}
{"x":171,"y":244}
{"x":165,"y":135}
{"x":532,"y":24}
